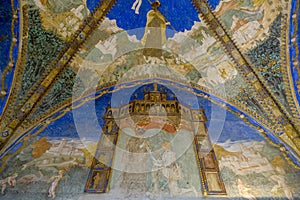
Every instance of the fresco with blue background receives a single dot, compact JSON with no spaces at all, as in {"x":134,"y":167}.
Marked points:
{"x":6,"y":15}
{"x":89,"y":117}
{"x":181,"y":19}
{"x":5,"y":37}
{"x":234,"y":128}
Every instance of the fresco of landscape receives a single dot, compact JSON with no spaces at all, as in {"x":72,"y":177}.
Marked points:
{"x":173,"y":119}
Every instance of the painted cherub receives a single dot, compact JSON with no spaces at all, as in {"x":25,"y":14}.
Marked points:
{"x":11,"y":181}
{"x":54,"y":184}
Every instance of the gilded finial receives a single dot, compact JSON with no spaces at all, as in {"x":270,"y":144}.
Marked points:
{"x":155,"y":87}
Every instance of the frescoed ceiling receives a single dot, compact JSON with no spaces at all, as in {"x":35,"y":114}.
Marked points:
{"x":241,"y":55}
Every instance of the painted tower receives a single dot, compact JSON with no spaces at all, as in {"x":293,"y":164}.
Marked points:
{"x":155,"y":110}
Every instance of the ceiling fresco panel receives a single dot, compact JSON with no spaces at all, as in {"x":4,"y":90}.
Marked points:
{"x":66,"y":63}
{"x":246,"y":158}
{"x":40,"y":87}
{"x":259,"y":28}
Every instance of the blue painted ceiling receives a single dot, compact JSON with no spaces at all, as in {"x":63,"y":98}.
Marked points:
{"x":181,"y":19}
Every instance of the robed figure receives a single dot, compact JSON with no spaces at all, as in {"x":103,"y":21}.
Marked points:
{"x":155,"y":32}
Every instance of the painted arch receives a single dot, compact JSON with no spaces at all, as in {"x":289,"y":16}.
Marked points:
{"x":257,"y":85}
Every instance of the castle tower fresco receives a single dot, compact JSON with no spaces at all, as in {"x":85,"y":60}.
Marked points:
{"x":141,"y":142}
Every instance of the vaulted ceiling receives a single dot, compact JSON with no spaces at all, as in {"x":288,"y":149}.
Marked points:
{"x":42,"y":72}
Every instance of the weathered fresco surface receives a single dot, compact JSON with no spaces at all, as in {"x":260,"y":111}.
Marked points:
{"x":250,"y":165}
{"x":51,"y":155}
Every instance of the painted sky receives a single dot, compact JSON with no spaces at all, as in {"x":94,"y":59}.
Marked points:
{"x":182,"y":18}
{"x":5,"y":43}
{"x":5,"y":32}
